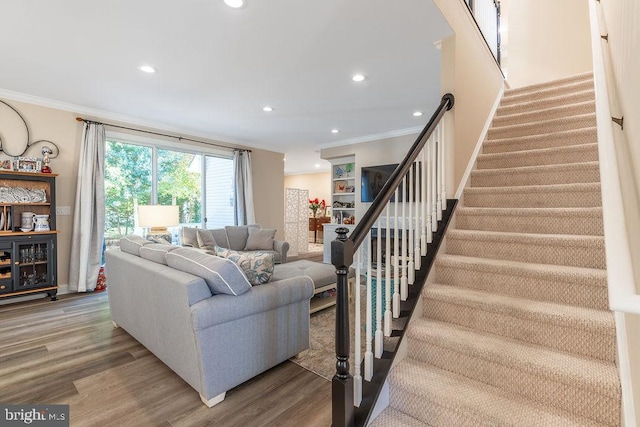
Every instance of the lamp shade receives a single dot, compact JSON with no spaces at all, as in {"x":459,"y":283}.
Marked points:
{"x":158,"y":216}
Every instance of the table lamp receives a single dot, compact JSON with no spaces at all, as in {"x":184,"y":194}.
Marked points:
{"x":157,"y":218}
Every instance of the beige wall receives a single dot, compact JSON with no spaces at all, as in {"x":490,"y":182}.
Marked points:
{"x":621,"y":19}
{"x":61,"y":127}
{"x":318,"y":184}
{"x":547,"y":40}
{"x":471,"y":74}
{"x":380,"y":152}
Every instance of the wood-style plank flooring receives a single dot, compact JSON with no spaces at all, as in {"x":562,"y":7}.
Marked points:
{"x":67,"y":352}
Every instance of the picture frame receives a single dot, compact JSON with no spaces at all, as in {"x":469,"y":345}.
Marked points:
{"x":6,"y":164}
{"x":340,"y":186}
{"x":28,"y":164}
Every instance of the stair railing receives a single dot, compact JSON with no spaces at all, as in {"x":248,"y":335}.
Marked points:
{"x":413,"y":201}
{"x":486,"y":13}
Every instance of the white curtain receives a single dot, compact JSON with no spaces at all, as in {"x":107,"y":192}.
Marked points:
{"x":88,"y":218}
{"x":243,"y":188}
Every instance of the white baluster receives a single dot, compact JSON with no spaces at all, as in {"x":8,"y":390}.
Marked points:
{"x":434,"y":185}
{"x":368,"y":354}
{"x":428,"y":174}
{"x":379,"y":334}
{"x":410,"y":266}
{"x":404,"y":287}
{"x":357,"y":377}
{"x":444,"y":163}
{"x":396,"y":261}
{"x":417,"y":251}
{"x":387,"y":278}
{"x":423,"y":202}
{"x":439,"y":173}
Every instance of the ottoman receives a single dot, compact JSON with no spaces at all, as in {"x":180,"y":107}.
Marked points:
{"x":323,"y":276}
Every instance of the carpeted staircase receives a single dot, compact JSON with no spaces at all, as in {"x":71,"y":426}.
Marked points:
{"x":516,"y":329}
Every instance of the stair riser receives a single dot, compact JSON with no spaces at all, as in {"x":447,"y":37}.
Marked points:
{"x":531,"y":129}
{"x":578,"y":341}
{"x":507,"y":178}
{"x":571,"y":398}
{"x":527,"y":107}
{"x":552,"y":91}
{"x":587,"y":225}
{"x":568,"y":199}
{"x":519,"y":159}
{"x":432,"y":412}
{"x":547,"y":113}
{"x":546,"y":252}
{"x":570,"y":80}
{"x":580,"y":294}
{"x":536,"y":142}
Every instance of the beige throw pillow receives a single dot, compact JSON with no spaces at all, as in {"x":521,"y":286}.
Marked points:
{"x":206,"y":239}
{"x":260,"y":239}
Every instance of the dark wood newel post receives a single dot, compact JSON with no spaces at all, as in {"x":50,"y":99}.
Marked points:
{"x":342,"y":382}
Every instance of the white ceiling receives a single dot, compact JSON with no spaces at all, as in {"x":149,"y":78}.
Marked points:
{"x":217,"y":67}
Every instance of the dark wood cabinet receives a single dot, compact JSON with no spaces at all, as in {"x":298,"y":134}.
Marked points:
{"x":315,"y":225}
{"x":28,"y":259}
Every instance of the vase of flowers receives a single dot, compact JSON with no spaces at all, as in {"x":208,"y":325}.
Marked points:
{"x":315,"y":205}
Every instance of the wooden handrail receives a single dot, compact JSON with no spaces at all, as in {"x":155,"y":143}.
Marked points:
{"x":342,"y":252}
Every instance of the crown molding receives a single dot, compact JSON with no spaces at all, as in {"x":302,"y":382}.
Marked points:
{"x":103,"y":115}
{"x":372,"y":137}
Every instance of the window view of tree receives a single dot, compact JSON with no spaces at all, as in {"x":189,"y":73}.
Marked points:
{"x":127,"y":184}
{"x":129,"y":178}
{"x":179,"y":184}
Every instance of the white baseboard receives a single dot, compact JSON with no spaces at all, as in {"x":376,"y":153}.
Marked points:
{"x":624,"y":369}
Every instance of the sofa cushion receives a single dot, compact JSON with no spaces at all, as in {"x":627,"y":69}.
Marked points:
{"x":156,"y":252}
{"x":257,"y":266}
{"x":260,"y":239}
{"x":237,"y":236}
{"x":206,"y":239}
{"x":222,"y":276}
{"x":132,"y":244}
{"x":220,"y":235}
{"x":189,"y":236}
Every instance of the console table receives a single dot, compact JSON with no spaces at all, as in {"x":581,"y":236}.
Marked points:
{"x":315,"y":225}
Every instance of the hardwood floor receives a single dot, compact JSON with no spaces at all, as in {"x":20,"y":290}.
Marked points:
{"x":67,"y":352}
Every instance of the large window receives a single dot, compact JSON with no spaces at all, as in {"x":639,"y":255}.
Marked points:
{"x":201,"y":184}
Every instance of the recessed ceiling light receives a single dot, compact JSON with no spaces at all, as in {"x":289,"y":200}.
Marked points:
{"x":267,"y":109}
{"x":417,"y":113}
{"x":334,"y":131}
{"x":147,"y":69}
{"x":357,"y":77}
{"x":236,"y":4}
{"x":317,"y":165}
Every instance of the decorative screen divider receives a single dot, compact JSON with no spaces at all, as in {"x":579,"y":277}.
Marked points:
{"x":296,"y":220}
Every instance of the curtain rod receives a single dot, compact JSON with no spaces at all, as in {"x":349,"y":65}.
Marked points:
{"x":179,"y":138}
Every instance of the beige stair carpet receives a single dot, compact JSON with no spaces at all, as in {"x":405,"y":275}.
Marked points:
{"x":516,"y":330}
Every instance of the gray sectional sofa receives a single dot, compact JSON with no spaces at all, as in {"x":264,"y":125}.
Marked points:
{"x":238,"y":238}
{"x":214,"y":341}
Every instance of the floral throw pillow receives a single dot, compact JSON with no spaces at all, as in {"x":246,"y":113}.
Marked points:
{"x":257,"y":266}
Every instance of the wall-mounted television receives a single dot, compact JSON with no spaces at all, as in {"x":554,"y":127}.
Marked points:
{"x":373,"y":179}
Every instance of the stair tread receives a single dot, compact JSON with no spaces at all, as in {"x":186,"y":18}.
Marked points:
{"x":528,"y":238}
{"x":560,"y":273}
{"x":539,"y":152}
{"x":574,"y":80}
{"x":539,"y":104}
{"x":529,"y":116}
{"x":567,"y":134}
{"x":588,"y":212}
{"x":391,"y":417}
{"x":547,"y":188}
{"x":542,"y":124}
{"x":565,"y":368}
{"x":599,"y":321}
{"x":539,"y":168}
{"x":489,"y":404}
{"x":552,"y":89}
